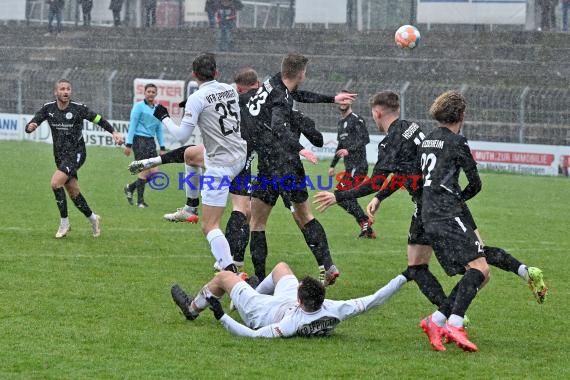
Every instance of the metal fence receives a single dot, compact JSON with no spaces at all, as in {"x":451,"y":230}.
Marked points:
{"x":517,"y":114}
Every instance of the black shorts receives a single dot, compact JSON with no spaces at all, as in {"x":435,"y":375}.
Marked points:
{"x":454,"y":243}
{"x":291,"y":187}
{"x":417,"y":233}
{"x":241,"y":184}
{"x":70,"y":163}
{"x":144,"y":147}
{"x":361,"y":169}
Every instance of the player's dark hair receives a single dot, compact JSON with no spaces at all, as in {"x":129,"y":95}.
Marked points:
{"x":387,"y":99}
{"x":448,"y":108}
{"x":292,"y":65}
{"x":148,"y":85}
{"x":311,"y":294}
{"x":59,"y":81}
{"x":246,"y":77}
{"x":204,"y":67}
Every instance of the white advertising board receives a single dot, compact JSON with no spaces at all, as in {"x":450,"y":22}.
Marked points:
{"x":320,"y":12}
{"x":472,"y":12}
{"x":517,"y":158}
{"x":194,"y":11}
{"x":13,"y":10}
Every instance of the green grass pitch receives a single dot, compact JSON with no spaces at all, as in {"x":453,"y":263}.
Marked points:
{"x":85,"y":308}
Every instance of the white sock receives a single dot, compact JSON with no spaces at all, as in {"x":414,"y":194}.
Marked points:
{"x":93,"y":217}
{"x":220,"y":247}
{"x":266,"y":286}
{"x":200,"y":302}
{"x":155,"y":160}
{"x":190,"y":208}
{"x":438,"y":318}
{"x":194,"y":180}
{"x":523,"y":272}
{"x":455,"y":320}
{"x":64,"y":221}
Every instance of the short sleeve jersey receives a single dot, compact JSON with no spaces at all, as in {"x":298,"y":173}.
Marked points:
{"x":66,"y":126}
{"x":214,"y":108}
{"x":443,"y":154}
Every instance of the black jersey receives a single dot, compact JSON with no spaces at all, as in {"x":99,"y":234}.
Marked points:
{"x":67,"y":126}
{"x":271,"y":108}
{"x":247,"y":123}
{"x":443,"y":154}
{"x":353,"y":136}
{"x":397,"y":155}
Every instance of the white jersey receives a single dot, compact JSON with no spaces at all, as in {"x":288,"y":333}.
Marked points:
{"x":214,"y":108}
{"x":294,"y":321}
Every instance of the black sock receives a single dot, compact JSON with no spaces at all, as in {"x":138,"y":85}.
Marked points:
{"x":140,"y":190}
{"x":258,"y":250}
{"x":232,"y":268}
{"x":427,"y":282}
{"x":192,"y":202}
{"x":174,"y":156}
{"x":237,"y":233}
{"x":61,"y":201}
{"x":316,"y":239}
{"x":353,"y":208}
{"x":501,"y":259}
{"x":82,"y":205}
{"x":132,"y":186}
{"x":467,"y":290}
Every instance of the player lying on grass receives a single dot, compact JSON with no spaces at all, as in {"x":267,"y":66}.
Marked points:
{"x":281,"y":306}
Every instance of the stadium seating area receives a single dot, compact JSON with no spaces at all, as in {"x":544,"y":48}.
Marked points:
{"x":492,"y":68}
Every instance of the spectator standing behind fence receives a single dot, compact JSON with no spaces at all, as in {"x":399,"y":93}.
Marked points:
{"x":565,"y":8}
{"x":116,"y":6}
{"x":55,"y":12}
{"x":226,"y":17}
{"x":86,"y":6}
{"x":150,"y":13}
{"x":211,"y":8}
{"x":547,"y":14}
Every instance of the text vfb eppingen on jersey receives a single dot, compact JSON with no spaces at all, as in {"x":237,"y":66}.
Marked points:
{"x":341,"y":181}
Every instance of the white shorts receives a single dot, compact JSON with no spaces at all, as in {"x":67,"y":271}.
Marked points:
{"x":216,"y":181}
{"x":258,"y":310}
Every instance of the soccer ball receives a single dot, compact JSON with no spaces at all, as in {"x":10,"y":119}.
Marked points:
{"x":407,"y":37}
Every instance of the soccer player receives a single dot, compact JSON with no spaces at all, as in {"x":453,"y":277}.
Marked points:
{"x":214,"y":108}
{"x":140,"y":139}
{"x":237,"y":228}
{"x":281,"y":306}
{"x":397,"y":155}
{"x":444,"y":153}
{"x":352,"y":138}
{"x":65,"y":119}
{"x":279,"y":167}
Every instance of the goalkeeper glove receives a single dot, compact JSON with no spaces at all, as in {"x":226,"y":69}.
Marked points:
{"x":216,"y":307}
{"x":160,"y":112}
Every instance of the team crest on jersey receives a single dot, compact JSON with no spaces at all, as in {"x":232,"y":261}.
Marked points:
{"x":69,"y":116}
{"x":345,"y":124}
